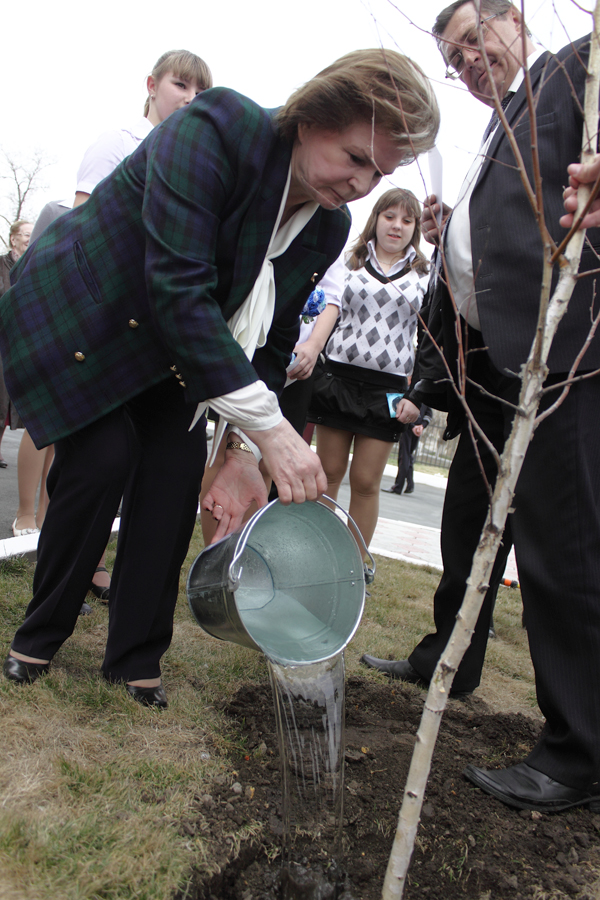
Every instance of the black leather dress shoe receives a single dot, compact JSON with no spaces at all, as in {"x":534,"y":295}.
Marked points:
{"x":23,"y":672}
{"x":391,"y":490}
{"x":148,"y":696}
{"x":402,"y":670}
{"x":395,"y":668}
{"x":526,"y":788}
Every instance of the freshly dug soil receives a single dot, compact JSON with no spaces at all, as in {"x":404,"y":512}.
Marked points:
{"x":469,"y":845}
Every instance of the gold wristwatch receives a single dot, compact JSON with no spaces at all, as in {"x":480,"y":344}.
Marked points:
{"x":237,"y":445}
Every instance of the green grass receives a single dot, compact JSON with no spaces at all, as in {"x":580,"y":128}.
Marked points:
{"x":94,"y":789}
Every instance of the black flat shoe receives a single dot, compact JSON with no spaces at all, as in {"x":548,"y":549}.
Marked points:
{"x":22,"y":672}
{"x":402,"y":670}
{"x":102,"y":593}
{"x":3,"y":464}
{"x":522,"y":787}
{"x":148,"y":696}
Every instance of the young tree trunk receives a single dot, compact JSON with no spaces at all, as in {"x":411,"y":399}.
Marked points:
{"x":533,"y":377}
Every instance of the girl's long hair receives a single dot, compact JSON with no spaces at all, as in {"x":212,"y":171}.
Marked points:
{"x":390,"y":200}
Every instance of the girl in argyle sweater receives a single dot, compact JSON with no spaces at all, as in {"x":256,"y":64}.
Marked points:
{"x":370,"y":355}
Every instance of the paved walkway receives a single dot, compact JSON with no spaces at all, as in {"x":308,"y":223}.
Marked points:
{"x":395,"y":536}
{"x":418,"y":544}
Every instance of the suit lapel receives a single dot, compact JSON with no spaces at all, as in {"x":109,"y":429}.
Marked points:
{"x":517,"y":109}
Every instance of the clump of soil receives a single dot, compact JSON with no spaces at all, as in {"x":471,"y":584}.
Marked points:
{"x":469,"y":845}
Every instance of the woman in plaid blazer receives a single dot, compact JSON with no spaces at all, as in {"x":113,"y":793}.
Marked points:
{"x":132,"y":302}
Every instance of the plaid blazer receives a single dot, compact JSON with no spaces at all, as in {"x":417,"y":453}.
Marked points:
{"x":140,"y":281}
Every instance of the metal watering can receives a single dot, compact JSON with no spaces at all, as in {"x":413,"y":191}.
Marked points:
{"x":290,"y":583}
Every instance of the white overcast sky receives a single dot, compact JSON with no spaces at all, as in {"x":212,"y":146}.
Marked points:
{"x":71,"y":70}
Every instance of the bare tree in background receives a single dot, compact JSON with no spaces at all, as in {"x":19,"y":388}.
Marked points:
{"x":20,"y":177}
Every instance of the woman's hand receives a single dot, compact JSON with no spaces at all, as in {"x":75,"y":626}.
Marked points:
{"x":407,"y":412}
{"x":307,"y":353}
{"x":237,"y":483}
{"x":429,"y":226}
{"x":293,"y":466}
{"x":306,"y":357}
{"x":581,"y":174}
{"x":417,"y":430}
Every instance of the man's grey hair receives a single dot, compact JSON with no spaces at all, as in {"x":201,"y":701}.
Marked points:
{"x":489,"y":7}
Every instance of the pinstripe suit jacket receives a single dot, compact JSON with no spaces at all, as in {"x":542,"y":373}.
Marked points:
{"x":506,"y":244}
{"x":144,"y":276}
{"x":507,"y":250}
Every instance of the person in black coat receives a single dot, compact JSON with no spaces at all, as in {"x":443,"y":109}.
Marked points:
{"x":407,"y":447}
{"x":494,"y":257}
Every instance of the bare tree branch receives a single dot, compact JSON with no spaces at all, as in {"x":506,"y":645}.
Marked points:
{"x":20,"y":177}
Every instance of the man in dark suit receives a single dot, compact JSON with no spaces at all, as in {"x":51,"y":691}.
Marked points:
{"x":494,"y":254}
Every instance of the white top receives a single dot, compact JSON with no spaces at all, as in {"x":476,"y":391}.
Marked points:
{"x":255,"y":406}
{"x":396,"y":267}
{"x":459,"y":256}
{"x":332,"y":284}
{"x":105,"y":154}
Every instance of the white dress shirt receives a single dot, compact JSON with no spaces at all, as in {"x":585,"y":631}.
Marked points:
{"x":459,"y":257}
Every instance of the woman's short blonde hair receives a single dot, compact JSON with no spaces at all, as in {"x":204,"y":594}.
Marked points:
{"x":185,"y":65}
{"x":377,"y":86}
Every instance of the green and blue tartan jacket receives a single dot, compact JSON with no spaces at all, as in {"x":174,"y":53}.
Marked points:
{"x":144,"y":276}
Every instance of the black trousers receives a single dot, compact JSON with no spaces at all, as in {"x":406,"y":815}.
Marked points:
{"x":465,"y":510}
{"x":294,"y":403}
{"x":144,"y":453}
{"x":556,"y":531}
{"x":407,"y":447}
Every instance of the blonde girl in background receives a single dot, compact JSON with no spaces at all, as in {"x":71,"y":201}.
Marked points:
{"x":370,"y":356}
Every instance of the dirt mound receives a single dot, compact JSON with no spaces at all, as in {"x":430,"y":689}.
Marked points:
{"x":468,"y":845}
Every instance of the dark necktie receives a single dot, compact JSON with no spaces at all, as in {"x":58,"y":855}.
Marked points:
{"x":495,"y":117}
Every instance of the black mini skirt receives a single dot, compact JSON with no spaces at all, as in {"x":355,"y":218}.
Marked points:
{"x":358,"y":400}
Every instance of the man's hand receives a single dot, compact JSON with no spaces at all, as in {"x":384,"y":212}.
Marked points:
{"x":293,"y":466}
{"x":581,"y":174}
{"x":429,"y":226}
{"x":407,"y":412}
{"x":237,"y":483}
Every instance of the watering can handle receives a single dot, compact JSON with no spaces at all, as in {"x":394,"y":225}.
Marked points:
{"x":233,"y":577}
{"x":369,"y":570}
